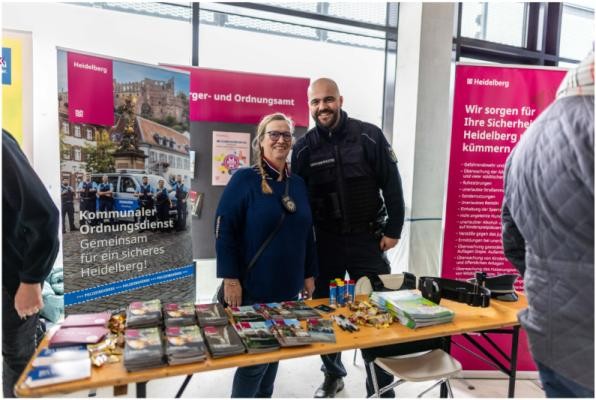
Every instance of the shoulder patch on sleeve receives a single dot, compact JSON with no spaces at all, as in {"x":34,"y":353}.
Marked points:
{"x":392,"y":155}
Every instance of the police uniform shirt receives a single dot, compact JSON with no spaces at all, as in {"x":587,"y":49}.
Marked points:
{"x":67,"y":193}
{"x":91,"y":185}
{"x":104,"y":187}
{"x":146,"y":189}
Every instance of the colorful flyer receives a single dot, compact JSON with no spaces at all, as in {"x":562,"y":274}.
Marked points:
{"x":231,"y":151}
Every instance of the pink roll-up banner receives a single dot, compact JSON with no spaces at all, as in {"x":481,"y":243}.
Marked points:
{"x":244,"y":98}
{"x":492,"y":108}
{"x":90,"y":89}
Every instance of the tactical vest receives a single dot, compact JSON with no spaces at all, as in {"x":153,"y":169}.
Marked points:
{"x":180,"y":194}
{"x":343,"y":189}
{"x":68,"y":197}
{"x":87,"y":186}
{"x":104,"y":187}
{"x":145,"y":190}
{"x":161,"y":197}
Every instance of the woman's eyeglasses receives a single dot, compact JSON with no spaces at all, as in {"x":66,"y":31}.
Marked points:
{"x":275,"y":135}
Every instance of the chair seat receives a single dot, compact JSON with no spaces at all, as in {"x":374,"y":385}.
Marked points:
{"x":435,"y":364}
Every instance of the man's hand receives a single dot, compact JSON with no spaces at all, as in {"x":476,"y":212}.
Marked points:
{"x":28,"y":300}
{"x":232,"y":292}
{"x":309,"y":288}
{"x":388,"y":243}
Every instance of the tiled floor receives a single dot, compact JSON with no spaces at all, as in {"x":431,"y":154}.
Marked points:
{"x":299,"y":378}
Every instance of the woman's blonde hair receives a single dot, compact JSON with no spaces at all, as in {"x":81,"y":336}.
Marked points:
{"x":258,"y":149}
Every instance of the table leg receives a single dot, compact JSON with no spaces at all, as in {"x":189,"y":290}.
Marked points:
{"x":513,"y":367}
{"x":183,"y":387}
{"x":141,"y":390}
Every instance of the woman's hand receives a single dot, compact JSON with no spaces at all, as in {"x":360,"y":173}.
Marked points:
{"x":232,"y":292}
{"x":309,"y":288}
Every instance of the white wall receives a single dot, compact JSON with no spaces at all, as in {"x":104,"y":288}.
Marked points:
{"x":115,"y":34}
{"x":423,"y":129}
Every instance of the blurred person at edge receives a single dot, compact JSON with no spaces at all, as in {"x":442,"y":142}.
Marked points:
{"x":249,"y":210}
{"x":548,"y":234}
{"x":29,"y":247}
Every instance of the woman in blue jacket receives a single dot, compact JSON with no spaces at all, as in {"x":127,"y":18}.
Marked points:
{"x":249,"y":210}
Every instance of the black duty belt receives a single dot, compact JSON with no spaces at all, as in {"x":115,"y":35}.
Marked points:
{"x":435,"y":289}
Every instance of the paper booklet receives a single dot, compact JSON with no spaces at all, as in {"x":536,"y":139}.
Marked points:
{"x":95,"y":319}
{"x":321,"y":330}
{"x":246,"y":313}
{"x":258,"y":337}
{"x":59,"y":372}
{"x":212,"y":314}
{"x":222,"y":341}
{"x":50,"y":356}
{"x":179,"y":314}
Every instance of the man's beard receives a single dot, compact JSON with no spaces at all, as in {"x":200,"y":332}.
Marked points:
{"x":331,"y":122}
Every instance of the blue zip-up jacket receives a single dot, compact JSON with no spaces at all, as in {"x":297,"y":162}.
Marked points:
{"x":246,"y":217}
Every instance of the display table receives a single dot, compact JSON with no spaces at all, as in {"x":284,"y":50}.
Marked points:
{"x":467,"y":319}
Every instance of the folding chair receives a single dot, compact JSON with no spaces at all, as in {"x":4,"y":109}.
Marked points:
{"x":418,"y":367}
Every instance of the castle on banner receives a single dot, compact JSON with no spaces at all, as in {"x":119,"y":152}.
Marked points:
{"x":161,"y":129}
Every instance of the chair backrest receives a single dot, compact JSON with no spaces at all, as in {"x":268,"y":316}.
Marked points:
{"x":391,"y":281}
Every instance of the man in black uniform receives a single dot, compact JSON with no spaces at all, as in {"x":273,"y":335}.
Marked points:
{"x":67,"y":195}
{"x":87,"y":190}
{"x":346,"y":164}
{"x":29,"y":248}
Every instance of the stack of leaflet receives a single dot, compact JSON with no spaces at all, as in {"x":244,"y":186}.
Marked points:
{"x":211,"y":314}
{"x":290,"y":333}
{"x":81,"y":329}
{"x":184,"y":344}
{"x":222,"y":341}
{"x":143,"y":349}
{"x":246,"y":314}
{"x":179,"y":314}
{"x":411,"y":309}
{"x":257,"y":336}
{"x":143,"y":314}
{"x":95,"y":319}
{"x":52,"y":372}
{"x":300,"y":310}
{"x":49,"y":356}
{"x":273,"y":311}
{"x":57,"y":365}
{"x":321,"y":330}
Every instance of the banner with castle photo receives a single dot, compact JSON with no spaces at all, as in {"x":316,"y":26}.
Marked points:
{"x":125,"y":182}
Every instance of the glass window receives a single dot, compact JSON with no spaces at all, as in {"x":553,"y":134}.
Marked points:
{"x":114,"y":181}
{"x":495,"y":22}
{"x":374,"y":13}
{"x":66,"y":152}
{"x":89,"y":132}
{"x":65,"y":128}
{"x":152,"y":157}
{"x":577,"y":29}
{"x":77,"y":131}
{"x":77,"y":153}
{"x":126,"y":183}
{"x":256,"y":45}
